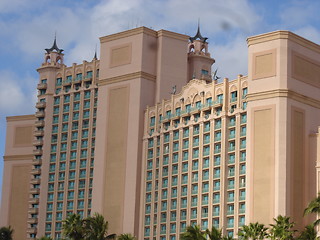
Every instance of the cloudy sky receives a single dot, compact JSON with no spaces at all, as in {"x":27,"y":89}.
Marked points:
{"x":27,"y":27}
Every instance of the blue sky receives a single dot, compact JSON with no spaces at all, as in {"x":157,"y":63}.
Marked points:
{"x":28,"y":27}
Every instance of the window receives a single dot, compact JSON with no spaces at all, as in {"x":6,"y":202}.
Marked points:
{"x":188,"y":108}
{"x":244,"y":92}
{"x":58,"y":81}
{"x":69,"y":78}
{"x":204,"y":72}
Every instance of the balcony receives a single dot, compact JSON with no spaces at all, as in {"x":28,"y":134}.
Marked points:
{"x":32,"y":220}
{"x":206,"y":153}
{"x":216,"y":188}
{"x":35,"y":181}
{"x":38,"y":133}
{"x":242,"y":211}
{"x":41,"y":86}
{"x":217,"y":150}
{"x":39,"y":123}
{"x":173,"y":218}
{"x":231,"y":148}
{"x":32,"y":230}
{"x":215,"y":214}
{"x":204,"y":215}
{"x":216,"y":200}
{"x":205,"y":190}
{"x":33,"y":210}
{"x":37,"y":151}
{"x":33,"y":200}
{"x":234,"y":99}
{"x":230,"y":225}
{"x":205,"y":202}
{"x":230,"y":212}
{"x":39,"y":114}
{"x":40,"y":104}
{"x":37,"y":142}
{"x":36,"y":171}
{"x":66,"y":82}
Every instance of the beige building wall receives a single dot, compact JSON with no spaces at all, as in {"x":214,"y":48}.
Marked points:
{"x":136,"y":69}
{"x":194,"y":160}
{"x":282,"y":83}
{"x":16,"y":174}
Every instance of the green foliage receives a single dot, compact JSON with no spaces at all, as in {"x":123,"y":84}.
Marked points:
{"x":253,"y":231}
{"x":126,"y":236}
{"x":6,"y":233}
{"x":282,"y":229}
{"x":214,"y":234}
{"x":91,"y":228}
{"x":309,"y":233}
{"x":45,"y":238}
{"x":314,"y":207}
{"x":193,"y":233}
{"x":96,"y":228}
{"x":73,"y":227}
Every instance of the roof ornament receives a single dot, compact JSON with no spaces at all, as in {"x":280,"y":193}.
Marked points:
{"x":174,"y":89}
{"x":54,"y":46}
{"x":215,"y":76}
{"x":95,"y":53}
{"x":198,"y":35}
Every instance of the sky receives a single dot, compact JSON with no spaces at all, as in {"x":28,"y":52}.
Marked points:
{"x":27,"y":27}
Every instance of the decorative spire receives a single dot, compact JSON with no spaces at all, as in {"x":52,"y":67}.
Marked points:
{"x":95,"y":53}
{"x":54,"y":46}
{"x":198,"y":35}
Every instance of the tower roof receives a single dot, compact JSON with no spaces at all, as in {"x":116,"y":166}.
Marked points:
{"x":198,"y":36}
{"x":54,"y":47}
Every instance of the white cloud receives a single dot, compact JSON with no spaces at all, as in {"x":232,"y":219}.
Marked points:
{"x":17,"y":97}
{"x":13,"y":6}
{"x":231,"y":58}
{"x":309,"y":33}
{"x":78,"y":29}
{"x":299,"y":13}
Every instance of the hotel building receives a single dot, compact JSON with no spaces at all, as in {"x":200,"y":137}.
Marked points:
{"x":148,"y":139}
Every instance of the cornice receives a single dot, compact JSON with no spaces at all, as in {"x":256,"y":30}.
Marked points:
{"x":284,"y":93}
{"x":281,"y":34}
{"x":178,"y":36}
{"x":20,"y":118}
{"x":127,"y":77}
{"x":18,"y":157}
{"x":128,"y":33}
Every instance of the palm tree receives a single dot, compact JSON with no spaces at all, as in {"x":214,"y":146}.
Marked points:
{"x":96,"y":228}
{"x":314,"y":207}
{"x":309,"y":233}
{"x":73,"y":227}
{"x":214,"y":234}
{"x":193,"y":233}
{"x":227,"y":238}
{"x":126,"y":237}
{"x":253,"y":231}
{"x":6,"y":233}
{"x":282,"y":230}
{"x":45,"y":238}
